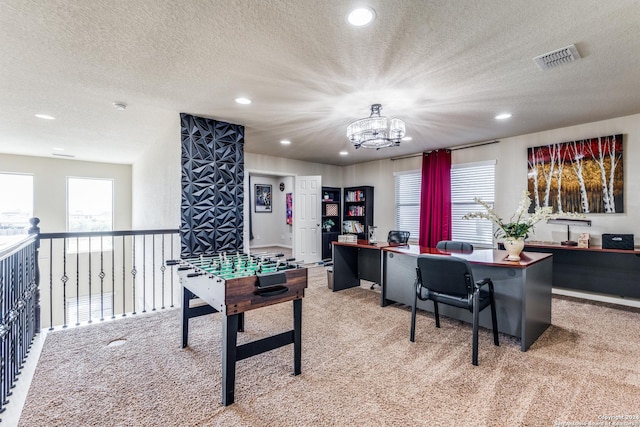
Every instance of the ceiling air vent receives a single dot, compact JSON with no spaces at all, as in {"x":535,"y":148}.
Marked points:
{"x":557,"y":57}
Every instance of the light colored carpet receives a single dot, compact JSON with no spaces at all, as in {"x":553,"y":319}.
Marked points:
{"x":358,"y":369}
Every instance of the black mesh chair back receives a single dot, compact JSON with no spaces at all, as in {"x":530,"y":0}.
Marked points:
{"x":453,"y":246}
{"x":449,"y":280}
{"x":397,"y":236}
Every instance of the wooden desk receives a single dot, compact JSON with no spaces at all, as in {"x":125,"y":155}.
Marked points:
{"x":355,"y":261}
{"x":522,"y":288}
{"x":593,"y":269}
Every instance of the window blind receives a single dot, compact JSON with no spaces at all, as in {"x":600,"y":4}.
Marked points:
{"x":407,"y":185}
{"x":468,"y":181}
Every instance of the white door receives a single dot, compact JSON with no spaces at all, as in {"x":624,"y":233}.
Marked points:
{"x":306,"y":218}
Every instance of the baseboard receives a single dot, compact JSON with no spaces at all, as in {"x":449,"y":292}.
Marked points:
{"x":270,"y":246}
{"x":630,"y":302}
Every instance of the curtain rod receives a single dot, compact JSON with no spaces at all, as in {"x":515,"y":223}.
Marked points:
{"x":461,"y":147}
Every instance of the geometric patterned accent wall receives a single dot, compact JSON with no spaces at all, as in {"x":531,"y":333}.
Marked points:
{"x":212,"y":186}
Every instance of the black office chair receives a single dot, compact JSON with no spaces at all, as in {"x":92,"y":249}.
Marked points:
{"x":396,"y":236}
{"x":454,"y":246}
{"x":448,"y":280}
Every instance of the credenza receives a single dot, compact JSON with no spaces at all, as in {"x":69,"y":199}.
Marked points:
{"x":612,"y":272}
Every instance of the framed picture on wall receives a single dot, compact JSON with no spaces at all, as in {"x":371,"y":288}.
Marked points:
{"x":262,"y":198}
{"x":289,"y":208}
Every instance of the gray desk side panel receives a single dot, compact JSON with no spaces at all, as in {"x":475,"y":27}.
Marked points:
{"x":345,"y":267}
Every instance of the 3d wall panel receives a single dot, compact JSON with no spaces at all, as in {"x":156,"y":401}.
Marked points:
{"x":212,"y":186}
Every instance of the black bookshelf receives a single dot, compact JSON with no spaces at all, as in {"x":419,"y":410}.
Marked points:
{"x":331,"y":214}
{"x":357,"y":214}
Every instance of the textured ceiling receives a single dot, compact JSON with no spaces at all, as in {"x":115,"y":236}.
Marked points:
{"x":445,"y":67}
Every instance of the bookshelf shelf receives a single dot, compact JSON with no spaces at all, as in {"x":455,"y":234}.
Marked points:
{"x":331,"y":218}
{"x":358,"y":210}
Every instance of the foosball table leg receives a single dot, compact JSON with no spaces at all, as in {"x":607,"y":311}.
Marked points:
{"x":241,"y":322}
{"x":297,"y":336}
{"x":229,"y":355}
{"x":186,"y":296}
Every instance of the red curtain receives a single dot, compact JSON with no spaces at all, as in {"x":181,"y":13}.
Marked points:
{"x":435,"y":199}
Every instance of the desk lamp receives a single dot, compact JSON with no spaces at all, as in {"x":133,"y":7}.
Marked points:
{"x":569,"y":222}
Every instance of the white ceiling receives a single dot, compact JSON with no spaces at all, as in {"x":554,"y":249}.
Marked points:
{"x":445,"y":67}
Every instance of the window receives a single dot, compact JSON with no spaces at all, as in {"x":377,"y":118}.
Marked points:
{"x":408,"y":202}
{"x":471,"y":180}
{"x":468,"y":180}
{"x":89,"y":208}
{"x":89,"y":204}
{"x":16,"y":203}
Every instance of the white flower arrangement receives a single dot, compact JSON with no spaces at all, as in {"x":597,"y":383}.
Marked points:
{"x":519,"y":224}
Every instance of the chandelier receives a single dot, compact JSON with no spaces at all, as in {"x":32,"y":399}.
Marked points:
{"x":376,"y":131}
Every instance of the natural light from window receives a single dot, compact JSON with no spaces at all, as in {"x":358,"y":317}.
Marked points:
{"x":468,"y":180}
{"x":16,"y":203}
{"x":89,"y":208}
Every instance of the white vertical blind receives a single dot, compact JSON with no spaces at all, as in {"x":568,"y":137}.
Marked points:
{"x":408,"y":202}
{"x":471,"y":180}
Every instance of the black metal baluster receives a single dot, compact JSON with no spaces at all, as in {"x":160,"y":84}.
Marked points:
{"x":4,"y":332}
{"x":65,"y":278}
{"x":19,"y":308}
{"x":124,"y":279}
{"x":51,"y":284}
{"x":90,"y":306}
{"x":153,"y":272}
{"x":172,"y":271}
{"x":101,"y":275}
{"x":113,"y":277}
{"x":12,"y":319}
{"x":133,"y":273}
{"x":77,"y":281}
{"x":144,"y":273}
{"x":162,"y":269}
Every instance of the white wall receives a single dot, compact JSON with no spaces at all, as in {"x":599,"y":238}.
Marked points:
{"x":50,"y":187}
{"x":511,"y":178}
{"x":268,"y":165}
{"x":379,"y":174}
{"x":156,"y":183}
{"x":160,"y":171}
{"x":261,"y":165}
{"x":270,"y":228}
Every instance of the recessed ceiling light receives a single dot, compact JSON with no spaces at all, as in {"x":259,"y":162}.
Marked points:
{"x":285,"y":142}
{"x":343,"y":153}
{"x":58,"y":148}
{"x":120,"y":106}
{"x":243,"y":101}
{"x":407,"y":138}
{"x":45,"y":116}
{"x":503,"y":116}
{"x":361,"y":16}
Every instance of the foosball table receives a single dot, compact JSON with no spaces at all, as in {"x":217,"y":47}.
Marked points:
{"x":233,"y":284}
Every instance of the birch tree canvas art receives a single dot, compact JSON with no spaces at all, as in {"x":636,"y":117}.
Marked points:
{"x":583,"y":176}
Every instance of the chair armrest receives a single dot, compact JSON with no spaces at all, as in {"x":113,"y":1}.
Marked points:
{"x":485,"y":281}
